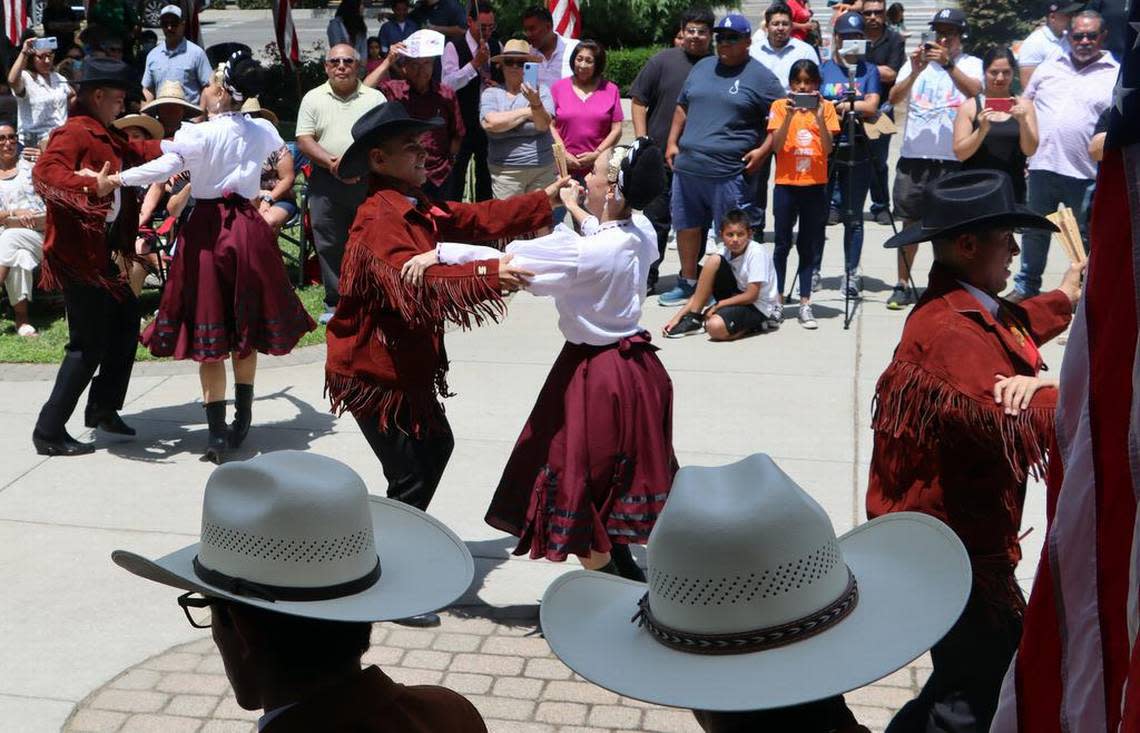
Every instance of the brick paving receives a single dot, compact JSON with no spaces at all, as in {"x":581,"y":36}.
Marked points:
{"x":502,"y":664}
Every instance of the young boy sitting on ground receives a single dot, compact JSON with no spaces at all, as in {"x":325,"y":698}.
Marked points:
{"x":741,"y":279}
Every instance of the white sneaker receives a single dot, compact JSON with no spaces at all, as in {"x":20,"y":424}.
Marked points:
{"x":807,"y":320}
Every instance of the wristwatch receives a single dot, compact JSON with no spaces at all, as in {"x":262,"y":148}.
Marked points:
{"x":949,"y":64}
{"x":268,"y":199}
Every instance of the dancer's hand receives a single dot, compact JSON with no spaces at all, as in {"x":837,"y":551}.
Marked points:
{"x":1017,"y":391}
{"x":413,"y":269}
{"x":1071,"y":282}
{"x":512,"y":277}
{"x":571,"y":195}
{"x":554,"y":189}
{"x":105,"y":181}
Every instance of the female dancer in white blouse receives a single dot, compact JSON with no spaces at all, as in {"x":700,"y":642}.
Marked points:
{"x":593,"y":466}
{"x":228,"y":293}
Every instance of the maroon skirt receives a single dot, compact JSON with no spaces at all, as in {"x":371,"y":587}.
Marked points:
{"x":227,"y":290}
{"x":595,"y":461}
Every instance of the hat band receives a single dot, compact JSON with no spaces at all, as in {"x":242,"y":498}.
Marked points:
{"x":273,"y":593}
{"x":758,"y":640}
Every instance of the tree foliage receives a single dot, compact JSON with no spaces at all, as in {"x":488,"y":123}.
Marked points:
{"x":1000,"y":22}
{"x":615,"y":23}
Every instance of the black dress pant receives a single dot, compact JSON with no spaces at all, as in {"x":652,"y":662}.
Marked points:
{"x":103,"y":332}
{"x":970,"y":663}
{"x":332,"y":209}
{"x":472,"y":150}
{"x":413,"y":466}
{"x":660,"y":215}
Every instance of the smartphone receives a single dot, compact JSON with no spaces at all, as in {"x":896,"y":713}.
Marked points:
{"x":530,"y":74}
{"x":927,"y":39}
{"x":805,"y":101}
{"x":1001,"y":104}
{"x":853,"y":48}
{"x":45,"y":44}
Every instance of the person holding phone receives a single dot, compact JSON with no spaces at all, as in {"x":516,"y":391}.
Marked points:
{"x":517,"y":119}
{"x":995,"y":130}
{"x":42,"y":94}
{"x":802,"y":127}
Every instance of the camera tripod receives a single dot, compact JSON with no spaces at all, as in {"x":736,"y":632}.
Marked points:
{"x":853,"y":151}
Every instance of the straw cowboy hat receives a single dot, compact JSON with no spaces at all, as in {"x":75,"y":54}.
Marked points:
{"x":969,"y":201}
{"x":150,"y":125}
{"x":253,"y":108}
{"x":752,"y":601}
{"x":297,"y":533}
{"x":171,"y":92}
{"x":516,"y":49}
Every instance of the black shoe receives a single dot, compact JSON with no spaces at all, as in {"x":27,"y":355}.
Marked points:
{"x":883,"y":217}
{"x":65,"y":446}
{"x":217,"y":442}
{"x":832,"y":216}
{"x":106,"y":420}
{"x":627,"y":567}
{"x":689,"y":325}
{"x":243,"y":414}
{"x":420,"y":621}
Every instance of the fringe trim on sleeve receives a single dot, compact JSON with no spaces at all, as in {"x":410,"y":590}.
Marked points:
{"x":390,"y":406}
{"x":91,"y":214}
{"x":911,"y":401}
{"x":466,"y":301}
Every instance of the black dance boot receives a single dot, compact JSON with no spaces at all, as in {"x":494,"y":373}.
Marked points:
{"x":216,"y":418}
{"x":106,"y":420}
{"x":627,"y":567}
{"x":243,"y":414}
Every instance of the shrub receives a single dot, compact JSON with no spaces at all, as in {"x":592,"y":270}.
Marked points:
{"x":999,"y":22}
{"x":254,"y":4}
{"x":624,"y":64}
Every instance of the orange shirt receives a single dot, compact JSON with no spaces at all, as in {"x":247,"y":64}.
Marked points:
{"x":801,"y":161}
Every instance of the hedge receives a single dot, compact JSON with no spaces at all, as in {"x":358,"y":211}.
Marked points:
{"x":624,"y":64}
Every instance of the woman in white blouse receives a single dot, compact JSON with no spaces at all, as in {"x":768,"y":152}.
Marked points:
{"x":595,"y":461}
{"x":42,"y":94}
{"x":21,"y":228}
{"x":228,"y":293}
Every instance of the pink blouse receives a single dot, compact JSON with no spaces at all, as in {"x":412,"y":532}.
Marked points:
{"x":583,"y":124}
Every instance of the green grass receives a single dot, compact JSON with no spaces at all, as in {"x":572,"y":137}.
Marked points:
{"x":48,"y":318}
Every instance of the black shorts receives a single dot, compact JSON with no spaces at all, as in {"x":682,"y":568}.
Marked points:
{"x":912,"y":178}
{"x":737,"y":318}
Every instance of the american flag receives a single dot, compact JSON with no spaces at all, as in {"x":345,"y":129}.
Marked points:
{"x":567,"y":18}
{"x":1078,"y":667}
{"x":15,"y":20}
{"x":286,"y":33}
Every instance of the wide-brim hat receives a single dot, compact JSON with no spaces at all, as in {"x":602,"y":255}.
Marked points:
{"x":742,"y":546}
{"x":297,"y":533}
{"x":969,"y":201}
{"x":171,"y":92}
{"x":375,"y":126}
{"x":152,"y":126}
{"x":107,"y":72}
{"x":516,"y":49}
{"x":253,"y":107}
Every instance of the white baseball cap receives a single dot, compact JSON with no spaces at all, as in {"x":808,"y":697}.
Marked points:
{"x":424,"y":44}
{"x":170,"y":10}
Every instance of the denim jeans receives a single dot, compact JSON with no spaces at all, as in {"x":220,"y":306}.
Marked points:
{"x":850,"y":186}
{"x":880,"y":193}
{"x":1046,"y":190}
{"x":809,"y":204}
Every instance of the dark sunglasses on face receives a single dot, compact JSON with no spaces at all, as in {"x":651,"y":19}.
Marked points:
{"x":1084,"y":36}
{"x":728,"y":39}
{"x":514,"y":64}
{"x":340,"y":61}
{"x":170,"y":23}
{"x":872,"y":13}
{"x":7,"y":138}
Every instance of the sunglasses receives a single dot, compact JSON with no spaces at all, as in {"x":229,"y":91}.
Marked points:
{"x":170,"y":23}
{"x":728,"y":39}
{"x":340,"y":61}
{"x":1084,"y":36}
{"x":513,"y":63}
{"x":697,"y":30}
{"x":872,"y":13}
{"x":7,"y":138}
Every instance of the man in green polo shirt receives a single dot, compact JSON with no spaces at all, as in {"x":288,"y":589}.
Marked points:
{"x":324,"y":132}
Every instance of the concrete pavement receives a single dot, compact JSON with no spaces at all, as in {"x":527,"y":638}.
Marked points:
{"x":73,"y":622}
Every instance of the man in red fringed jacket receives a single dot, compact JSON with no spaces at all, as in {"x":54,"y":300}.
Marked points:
{"x":386,"y":360}
{"x":961,"y":420}
{"x":84,"y":228}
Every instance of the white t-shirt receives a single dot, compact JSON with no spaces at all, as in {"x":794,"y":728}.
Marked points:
{"x":755,"y":265}
{"x":1040,"y":46}
{"x":933,"y":105}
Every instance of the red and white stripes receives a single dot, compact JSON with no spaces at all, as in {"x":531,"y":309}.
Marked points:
{"x":15,"y":20}
{"x":567,"y":18}
{"x":286,"y":32}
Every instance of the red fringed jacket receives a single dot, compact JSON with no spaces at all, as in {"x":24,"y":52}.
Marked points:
{"x":385,"y":343}
{"x":76,"y":247}
{"x":943,"y":446}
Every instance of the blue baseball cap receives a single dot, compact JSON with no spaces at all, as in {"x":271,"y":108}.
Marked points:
{"x":849,"y":24}
{"x":733,"y":24}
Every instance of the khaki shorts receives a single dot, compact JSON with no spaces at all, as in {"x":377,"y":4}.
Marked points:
{"x":507,"y":182}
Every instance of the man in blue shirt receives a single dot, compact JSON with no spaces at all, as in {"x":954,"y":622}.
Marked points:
{"x":851,"y":163}
{"x":397,"y":28}
{"x":719,"y":133}
{"x":176,"y":60}
{"x":445,"y":16}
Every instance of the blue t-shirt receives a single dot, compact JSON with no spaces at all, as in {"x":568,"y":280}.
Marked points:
{"x":836,"y":81}
{"x":727,"y":114}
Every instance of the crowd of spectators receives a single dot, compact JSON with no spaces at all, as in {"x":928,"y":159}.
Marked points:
{"x":726,"y":103}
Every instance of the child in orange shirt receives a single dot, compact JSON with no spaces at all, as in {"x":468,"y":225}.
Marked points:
{"x":802,"y":140}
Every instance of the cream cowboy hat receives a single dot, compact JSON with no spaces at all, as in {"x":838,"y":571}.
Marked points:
{"x":171,"y":92}
{"x":297,"y":533}
{"x":253,"y":108}
{"x":752,"y":601}
{"x":150,"y":125}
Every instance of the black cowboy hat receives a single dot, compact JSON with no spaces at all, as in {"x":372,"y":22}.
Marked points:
{"x":379,"y":124}
{"x":106,"y":72}
{"x":969,"y":201}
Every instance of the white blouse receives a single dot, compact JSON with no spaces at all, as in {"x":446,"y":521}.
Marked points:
{"x":42,"y":107}
{"x":224,"y":156}
{"x":597,"y":280}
